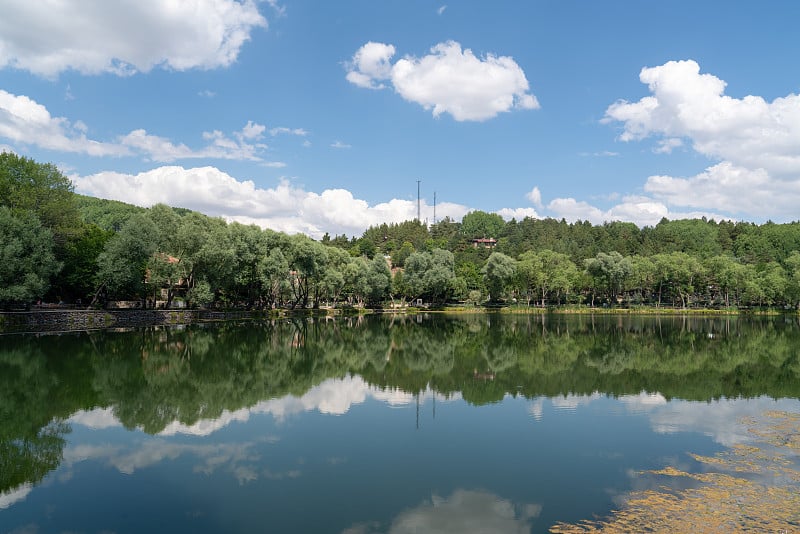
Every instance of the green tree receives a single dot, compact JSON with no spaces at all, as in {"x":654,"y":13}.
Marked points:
{"x":679,"y":273}
{"x":477,"y":224}
{"x":429,"y":275}
{"x":399,"y":256}
{"x":498,"y":274}
{"x":642,"y":278}
{"x":793,"y":278}
{"x":79,"y":255}
{"x":308,"y":259}
{"x":545,"y":273}
{"x":611,"y":270}
{"x":41,"y":188}
{"x":122,"y":266}
{"x":379,"y":278}
{"x":27,"y":261}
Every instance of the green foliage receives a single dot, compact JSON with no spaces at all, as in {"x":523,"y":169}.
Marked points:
{"x":400,"y":255}
{"x":80,"y":254}
{"x":609,"y":270}
{"x":27,"y":261}
{"x":479,"y":224}
{"x":200,"y":294}
{"x":122,"y":266}
{"x":107,"y":214}
{"x":39,"y":188}
{"x":498,"y":274}
{"x":430,"y":275}
{"x":683,"y":263}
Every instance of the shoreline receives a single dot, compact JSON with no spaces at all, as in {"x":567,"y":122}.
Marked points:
{"x":70,"y":320}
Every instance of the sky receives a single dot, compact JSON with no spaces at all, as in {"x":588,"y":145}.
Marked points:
{"x":328,"y":116}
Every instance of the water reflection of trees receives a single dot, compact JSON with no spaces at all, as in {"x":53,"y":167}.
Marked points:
{"x":154,"y":377}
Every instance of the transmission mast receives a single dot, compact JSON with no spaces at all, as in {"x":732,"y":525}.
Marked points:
{"x":418,"y":212}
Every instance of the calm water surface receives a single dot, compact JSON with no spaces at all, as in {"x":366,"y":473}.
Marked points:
{"x":418,"y":424}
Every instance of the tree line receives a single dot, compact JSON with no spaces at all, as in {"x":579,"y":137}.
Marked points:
{"x":61,"y":247}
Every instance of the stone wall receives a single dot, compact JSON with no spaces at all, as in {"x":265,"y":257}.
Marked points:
{"x":49,"y":320}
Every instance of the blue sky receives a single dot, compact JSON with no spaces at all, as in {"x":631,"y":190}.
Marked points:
{"x":315,"y":116}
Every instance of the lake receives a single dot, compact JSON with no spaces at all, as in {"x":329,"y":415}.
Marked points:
{"x":429,"y":423}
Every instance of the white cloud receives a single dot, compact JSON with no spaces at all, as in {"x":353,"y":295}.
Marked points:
{"x":219,"y":146}
{"x":467,"y":511}
{"x":641,"y":210}
{"x":47,"y":38}
{"x":731,"y":188}
{"x":14,"y":495}
{"x":535,"y":196}
{"x":448,"y":80}
{"x":292,"y":209}
{"x":25,"y":121}
{"x":157,"y":148}
{"x":756,"y":143}
{"x":340,"y":144}
{"x":601,"y":154}
{"x":283,"y":208}
{"x":750,"y":131}
{"x":279,"y":9}
{"x":251,"y":131}
{"x":370,"y":64}
{"x":291,"y":131}
{"x":573,"y":210}
{"x":241,"y":460}
{"x":666,"y":146}
{"x":333,"y":396}
{"x":518,"y":213}
{"x":571,"y":402}
{"x":721,"y":419}
{"x":96,"y":418}
{"x":441,"y":10}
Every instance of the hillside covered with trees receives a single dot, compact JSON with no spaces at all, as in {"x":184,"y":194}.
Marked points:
{"x":58,"y":246}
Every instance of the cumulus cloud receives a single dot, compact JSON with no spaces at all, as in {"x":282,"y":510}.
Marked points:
{"x":756,"y":143}
{"x":292,"y":209}
{"x":447,"y":80}
{"x":14,"y":495}
{"x":47,"y":38}
{"x":721,"y":419}
{"x":27,"y":122}
{"x":95,"y":419}
{"x":535,"y":196}
{"x":370,"y":65}
{"x":333,"y":396}
{"x":641,"y":210}
{"x":241,"y":460}
{"x":467,"y":511}
{"x":518,"y":213}
{"x":730,"y":187}
{"x":283,"y":207}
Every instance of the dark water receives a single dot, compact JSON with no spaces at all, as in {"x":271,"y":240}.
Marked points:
{"x":417,"y":424}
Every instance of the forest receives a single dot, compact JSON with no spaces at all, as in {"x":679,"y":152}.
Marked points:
{"x":61,"y":247}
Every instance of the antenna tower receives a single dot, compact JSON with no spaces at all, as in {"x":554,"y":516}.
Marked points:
{"x":418,"y":214}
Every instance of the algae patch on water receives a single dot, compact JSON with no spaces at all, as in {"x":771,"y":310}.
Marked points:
{"x":748,"y":488}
